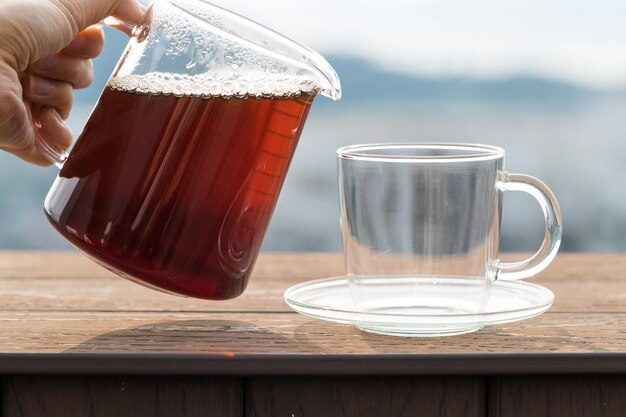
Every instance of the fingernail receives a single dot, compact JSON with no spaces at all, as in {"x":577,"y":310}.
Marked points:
{"x":40,"y":86}
{"x":45,"y":63}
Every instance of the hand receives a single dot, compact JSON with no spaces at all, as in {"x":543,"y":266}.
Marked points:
{"x":46,"y":48}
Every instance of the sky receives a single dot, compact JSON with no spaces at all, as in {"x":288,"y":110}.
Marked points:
{"x":582,"y":42}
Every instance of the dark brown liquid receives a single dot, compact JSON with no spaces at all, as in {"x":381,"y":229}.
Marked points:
{"x":176,"y":193}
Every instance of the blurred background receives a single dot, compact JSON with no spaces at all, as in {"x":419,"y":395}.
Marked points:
{"x":545,"y":80}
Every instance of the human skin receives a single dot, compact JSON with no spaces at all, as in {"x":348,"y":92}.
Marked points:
{"x":46,"y":48}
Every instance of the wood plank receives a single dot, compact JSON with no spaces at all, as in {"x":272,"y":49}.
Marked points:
{"x":71,"y":264}
{"x":70,"y":281}
{"x":364,"y":397}
{"x":279,"y":333}
{"x":63,"y":310}
{"x":251,"y":333}
{"x":558,"y":396}
{"x":77,"y":396}
{"x":116,"y":294}
{"x":518,"y":396}
{"x":61,"y":281}
{"x":289,"y":343}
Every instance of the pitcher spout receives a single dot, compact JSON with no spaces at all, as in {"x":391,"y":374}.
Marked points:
{"x":327,"y":81}
{"x":266,"y":54}
{"x":224,"y":55}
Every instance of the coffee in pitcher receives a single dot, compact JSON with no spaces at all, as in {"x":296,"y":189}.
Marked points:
{"x":175,"y":191}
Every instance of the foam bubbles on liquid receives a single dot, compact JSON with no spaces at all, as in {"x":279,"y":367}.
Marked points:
{"x":195,"y":49}
{"x":205,"y":86}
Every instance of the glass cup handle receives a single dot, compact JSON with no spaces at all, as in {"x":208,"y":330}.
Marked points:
{"x":554,"y":226}
{"x":58,"y":157}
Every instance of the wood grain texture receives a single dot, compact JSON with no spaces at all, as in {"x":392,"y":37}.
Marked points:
{"x":518,"y":396}
{"x":52,"y":396}
{"x":280,"y":334}
{"x":558,"y":396}
{"x":67,"y":281}
{"x":277,"y":343}
{"x":366,"y":397}
{"x":63,"y":304}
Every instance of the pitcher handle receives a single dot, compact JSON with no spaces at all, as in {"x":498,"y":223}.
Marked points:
{"x":55,"y":156}
{"x":127,"y":28}
{"x":553,"y":227}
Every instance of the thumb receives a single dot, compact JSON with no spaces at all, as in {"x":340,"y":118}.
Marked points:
{"x":28,"y":36}
{"x":129,"y":11}
{"x":85,"y":13}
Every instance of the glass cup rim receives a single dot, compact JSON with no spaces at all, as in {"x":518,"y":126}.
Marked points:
{"x":371,"y":152}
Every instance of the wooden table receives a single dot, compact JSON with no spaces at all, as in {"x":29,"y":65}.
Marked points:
{"x":78,"y":341}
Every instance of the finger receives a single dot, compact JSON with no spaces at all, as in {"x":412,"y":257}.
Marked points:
{"x":25,"y":143}
{"x":87,"y":44}
{"x":88,"y":12}
{"x":50,"y":93}
{"x":31,"y":155}
{"x":17,"y":133}
{"x":53,"y":130}
{"x":49,"y":129}
{"x":31,"y":35}
{"x":61,"y":67}
{"x":22,"y":145}
{"x":129,"y":11}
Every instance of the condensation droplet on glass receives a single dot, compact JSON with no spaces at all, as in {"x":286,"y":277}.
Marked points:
{"x":141,"y":33}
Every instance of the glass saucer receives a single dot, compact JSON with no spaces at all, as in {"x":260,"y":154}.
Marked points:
{"x":330,"y":299}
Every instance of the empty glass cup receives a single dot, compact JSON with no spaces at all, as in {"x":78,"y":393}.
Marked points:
{"x":421,"y":228}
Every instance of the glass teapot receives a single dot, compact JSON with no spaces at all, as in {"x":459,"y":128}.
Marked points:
{"x":175,"y":176}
